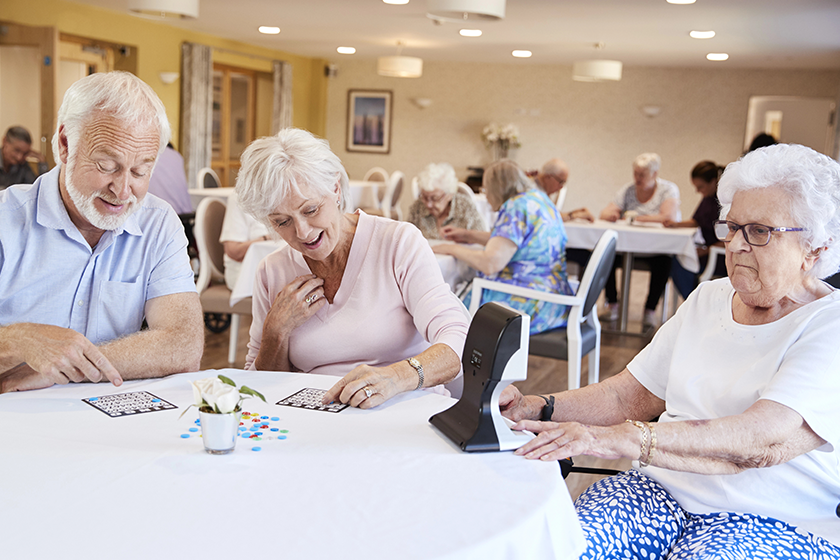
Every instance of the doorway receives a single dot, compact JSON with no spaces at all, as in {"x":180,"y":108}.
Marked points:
{"x":809,"y":121}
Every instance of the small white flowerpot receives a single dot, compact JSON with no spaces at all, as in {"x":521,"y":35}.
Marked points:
{"x":219,"y":431}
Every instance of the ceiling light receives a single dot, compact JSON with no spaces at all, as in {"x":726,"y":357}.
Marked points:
{"x":702,"y":34}
{"x":463,"y":10}
{"x":470,"y":32}
{"x":521,"y":54}
{"x":717,"y":56}
{"x":681,"y":1}
{"x":399,"y":66}
{"x":346,"y":50}
{"x":176,"y":9}
{"x":596,"y":70}
{"x":396,"y":2}
{"x":268,"y":30}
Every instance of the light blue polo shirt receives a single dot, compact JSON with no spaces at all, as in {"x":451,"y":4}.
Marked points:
{"x":50,"y":275}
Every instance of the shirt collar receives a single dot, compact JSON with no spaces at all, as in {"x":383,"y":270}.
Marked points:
{"x":53,"y":214}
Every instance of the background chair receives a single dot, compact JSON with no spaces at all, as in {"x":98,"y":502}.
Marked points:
{"x":561,"y":198}
{"x":371,"y":200}
{"x":715,"y":252}
{"x":390,"y":202}
{"x":464,"y":188}
{"x":207,"y":179}
{"x":582,"y":334}
{"x":214,"y":294}
{"x":415,"y":188}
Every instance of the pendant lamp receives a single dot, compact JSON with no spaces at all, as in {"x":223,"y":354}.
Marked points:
{"x":164,"y":9}
{"x":596,"y":70}
{"x":399,"y":66}
{"x":465,"y":10}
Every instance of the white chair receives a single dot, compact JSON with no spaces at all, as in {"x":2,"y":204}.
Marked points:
{"x":390,"y":202}
{"x":214,"y":294}
{"x":561,"y":198}
{"x":464,"y":188}
{"x":582,"y":335}
{"x":715,"y":251}
{"x":415,"y":188}
{"x":376,"y":174}
{"x":207,"y":179}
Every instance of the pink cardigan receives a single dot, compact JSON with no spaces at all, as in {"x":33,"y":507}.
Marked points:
{"x":392,"y":303}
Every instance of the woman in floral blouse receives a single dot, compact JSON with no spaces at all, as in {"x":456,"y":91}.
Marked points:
{"x":526,"y":247}
{"x":441,"y":204}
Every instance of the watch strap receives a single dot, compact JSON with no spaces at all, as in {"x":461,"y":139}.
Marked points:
{"x":548,"y":408}
{"x":418,"y":367}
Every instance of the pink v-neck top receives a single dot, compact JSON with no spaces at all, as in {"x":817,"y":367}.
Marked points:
{"x":392,"y":303}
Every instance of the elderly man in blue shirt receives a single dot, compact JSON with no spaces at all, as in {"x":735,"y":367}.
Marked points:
{"x":86,"y":255}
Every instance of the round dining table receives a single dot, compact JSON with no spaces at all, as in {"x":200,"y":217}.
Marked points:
{"x":374,"y":484}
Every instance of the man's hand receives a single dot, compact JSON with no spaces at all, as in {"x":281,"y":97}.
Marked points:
{"x":58,"y":355}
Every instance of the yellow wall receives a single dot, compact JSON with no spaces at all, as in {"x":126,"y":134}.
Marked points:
{"x":159,"y":50}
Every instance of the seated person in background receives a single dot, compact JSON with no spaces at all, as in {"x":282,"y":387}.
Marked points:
{"x":653,"y":200}
{"x":761,"y":140}
{"x":352,"y":295}
{"x":742,"y":462}
{"x":441,"y":203}
{"x":705,"y":177}
{"x":87,"y":255}
{"x":526,"y":246}
{"x":14,"y":169}
{"x":552,"y":179}
{"x":169,"y":181}
{"x":239,"y":230}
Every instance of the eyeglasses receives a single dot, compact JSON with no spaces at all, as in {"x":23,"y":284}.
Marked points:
{"x":757,"y":235}
{"x":425,"y":198}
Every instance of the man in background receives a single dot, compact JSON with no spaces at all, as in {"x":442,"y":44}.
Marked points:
{"x":16,"y":148}
{"x":552,"y":179}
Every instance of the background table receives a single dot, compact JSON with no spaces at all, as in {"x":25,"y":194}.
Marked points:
{"x":359,"y":484}
{"x":454,"y":271}
{"x":197,"y":194}
{"x":635,"y":240}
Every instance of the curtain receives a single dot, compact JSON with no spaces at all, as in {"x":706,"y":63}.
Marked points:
{"x":196,"y":108}
{"x":281,"y":115}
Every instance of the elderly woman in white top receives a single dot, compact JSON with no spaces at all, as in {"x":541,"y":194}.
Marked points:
{"x":352,"y":295}
{"x":652,"y":200}
{"x":441,"y":203}
{"x":743,"y":461}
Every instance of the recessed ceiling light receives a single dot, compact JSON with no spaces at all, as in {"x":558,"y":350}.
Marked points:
{"x":521,"y":54}
{"x":346,"y":50}
{"x":702,"y":34}
{"x":717,"y":56}
{"x":470,"y":32}
{"x":681,"y":1}
{"x":269,"y":30}
{"x":395,"y":1}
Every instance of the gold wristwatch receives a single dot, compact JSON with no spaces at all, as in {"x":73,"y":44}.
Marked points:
{"x":415,"y":363}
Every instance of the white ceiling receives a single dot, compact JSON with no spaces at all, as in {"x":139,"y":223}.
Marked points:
{"x":755,"y":33}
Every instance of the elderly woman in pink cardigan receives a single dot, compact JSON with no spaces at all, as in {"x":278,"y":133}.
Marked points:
{"x":352,"y":295}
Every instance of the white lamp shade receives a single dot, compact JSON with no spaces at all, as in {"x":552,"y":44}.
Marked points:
{"x":400,"y":66}
{"x":466,"y":9}
{"x":178,"y":9}
{"x":596,"y":70}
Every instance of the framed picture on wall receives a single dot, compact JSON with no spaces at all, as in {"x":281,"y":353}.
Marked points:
{"x":369,"y":121}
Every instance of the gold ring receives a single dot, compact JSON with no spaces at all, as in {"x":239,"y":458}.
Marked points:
{"x":310,"y":298}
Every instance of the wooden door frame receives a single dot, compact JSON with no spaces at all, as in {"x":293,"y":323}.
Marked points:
{"x":224,"y":164}
{"x":46,"y":40}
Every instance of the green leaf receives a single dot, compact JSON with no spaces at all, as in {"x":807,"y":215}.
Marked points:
{"x":227,"y":380}
{"x":245,"y":390}
{"x":185,"y":411}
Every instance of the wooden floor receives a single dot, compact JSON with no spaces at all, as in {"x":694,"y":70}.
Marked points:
{"x":544,"y":375}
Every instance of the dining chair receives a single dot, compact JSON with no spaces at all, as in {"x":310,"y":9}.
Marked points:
{"x":715,"y":252}
{"x":207,"y":179}
{"x":415,"y":188}
{"x":390,"y":202}
{"x":582,"y":334}
{"x":464,"y":188}
{"x":561,"y":198}
{"x":214,"y":294}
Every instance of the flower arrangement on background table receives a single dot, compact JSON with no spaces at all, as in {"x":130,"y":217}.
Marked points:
{"x":500,"y":139}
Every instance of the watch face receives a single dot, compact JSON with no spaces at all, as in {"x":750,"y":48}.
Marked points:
{"x":414,"y":362}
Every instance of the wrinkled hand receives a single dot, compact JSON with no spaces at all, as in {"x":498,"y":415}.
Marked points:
{"x":290,"y":308}
{"x":557,"y":441}
{"x":515,"y":406}
{"x":37,"y":155}
{"x":611,"y":216}
{"x":582,"y":214}
{"x":441,"y":248}
{"x":384,"y":383}
{"x":23,"y":378}
{"x":59,"y":355}
{"x":670,"y":223}
{"x":456,"y":234}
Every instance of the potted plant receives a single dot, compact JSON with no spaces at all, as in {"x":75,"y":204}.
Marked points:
{"x":219,"y":410}
{"x":501,"y":139}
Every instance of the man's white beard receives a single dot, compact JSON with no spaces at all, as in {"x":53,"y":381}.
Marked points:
{"x":85,"y":203}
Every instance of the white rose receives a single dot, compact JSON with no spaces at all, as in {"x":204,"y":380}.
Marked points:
{"x":227,"y":398}
{"x":201,"y":388}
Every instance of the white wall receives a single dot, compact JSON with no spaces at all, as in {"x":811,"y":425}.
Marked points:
{"x":20,"y":84}
{"x":598,"y":128}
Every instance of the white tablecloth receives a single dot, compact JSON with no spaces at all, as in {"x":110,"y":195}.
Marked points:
{"x":485,"y":210}
{"x":197,"y":194}
{"x":637,"y":239}
{"x":454,"y":271}
{"x":359,"y":484}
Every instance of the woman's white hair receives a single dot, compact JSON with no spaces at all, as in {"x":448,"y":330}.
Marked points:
{"x":438,"y":176}
{"x":812,"y":183}
{"x":118,"y":94}
{"x":275,"y":166}
{"x":649,"y":161}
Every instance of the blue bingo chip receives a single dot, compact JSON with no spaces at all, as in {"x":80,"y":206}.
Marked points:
{"x":256,"y":449}
{"x":281,"y":437}
{"x":275,"y":429}
{"x":275,"y":418}
{"x":193,"y":429}
{"x":185,"y":436}
{"x":264,"y":417}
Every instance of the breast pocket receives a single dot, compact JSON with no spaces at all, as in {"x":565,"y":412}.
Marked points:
{"x":120,"y":309}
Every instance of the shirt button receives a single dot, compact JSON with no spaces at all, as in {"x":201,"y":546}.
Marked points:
{"x":80,"y":303}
